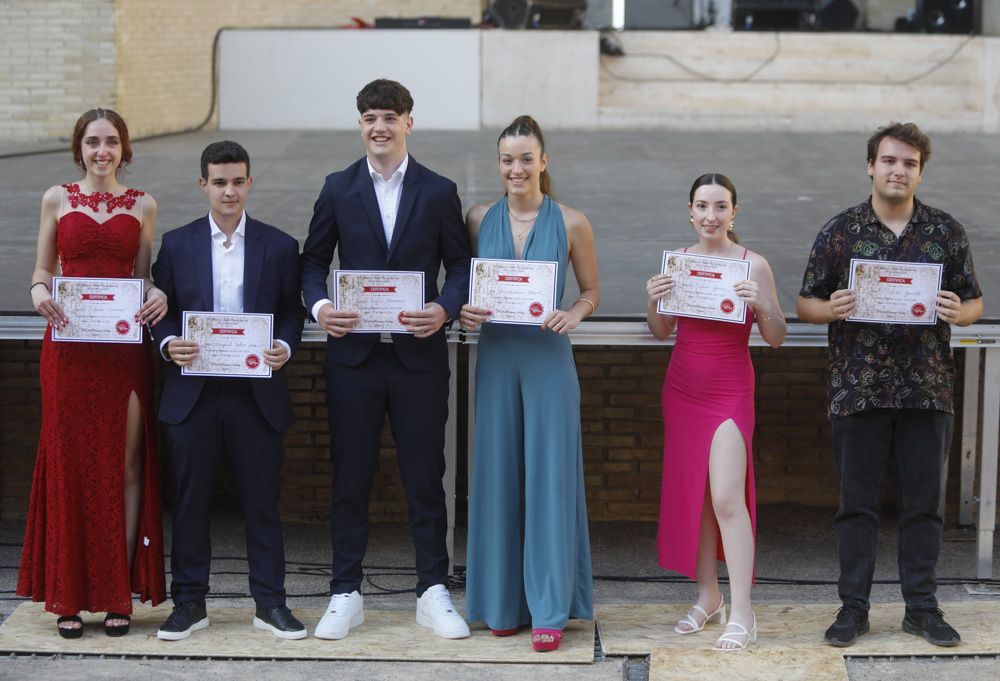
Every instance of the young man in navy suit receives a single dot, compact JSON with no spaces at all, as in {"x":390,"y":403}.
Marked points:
{"x":388,"y":212}
{"x":227,"y":262}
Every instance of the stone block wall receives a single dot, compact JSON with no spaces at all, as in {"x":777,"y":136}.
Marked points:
{"x":57,"y":59}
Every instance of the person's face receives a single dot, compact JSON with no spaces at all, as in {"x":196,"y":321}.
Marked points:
{"x":896,"y":171}
{"x":521,"y":164}
{"x":226,"y":187}
{"x":712,"y":211}
{"x":384,"y":133}
{"x":101,"y":148}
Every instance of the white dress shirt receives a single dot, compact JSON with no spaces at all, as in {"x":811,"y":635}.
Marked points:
{"x":227,"y":266}
{"x":387,"y":192}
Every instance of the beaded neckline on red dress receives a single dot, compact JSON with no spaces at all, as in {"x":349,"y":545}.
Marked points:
{"x":92,"y":201}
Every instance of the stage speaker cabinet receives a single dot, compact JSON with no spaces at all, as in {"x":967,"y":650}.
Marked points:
{"x":774,"y":15}
{"x":422,"y":22}
{"x":545,"y":14}
{"x":947,"y":16}
{"x":836,"y":15}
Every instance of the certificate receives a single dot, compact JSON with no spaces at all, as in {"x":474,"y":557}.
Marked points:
{"x":516,"y":291}
{"x":380,"y":297}
{"x":229,"y":344}
{"x":703,"y":287}
{"x":99,"y":310}
{"x":891,"y":292}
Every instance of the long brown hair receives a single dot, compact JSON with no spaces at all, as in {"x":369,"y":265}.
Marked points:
{"x":724,"y":182}
{"x":81,"y":127}
{"x":526,"y":126}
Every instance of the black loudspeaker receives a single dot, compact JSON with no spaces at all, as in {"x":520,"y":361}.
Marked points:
{"x":552,"y":14}
{"x":946,"y":16}
{"x":837,"y":15}
{"x":773,"y":15}
{"x":422,"y":22}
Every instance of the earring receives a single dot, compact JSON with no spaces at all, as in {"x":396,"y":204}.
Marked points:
{"x":692,"y":220}
{"x":732,"y":223}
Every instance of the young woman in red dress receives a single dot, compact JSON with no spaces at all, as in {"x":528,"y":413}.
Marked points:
{"x":94,"y":534}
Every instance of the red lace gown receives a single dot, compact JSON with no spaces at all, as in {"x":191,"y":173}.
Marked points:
{"x":75,"y":556}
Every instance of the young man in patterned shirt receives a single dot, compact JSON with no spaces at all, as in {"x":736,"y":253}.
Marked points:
{"x":890,"y":385}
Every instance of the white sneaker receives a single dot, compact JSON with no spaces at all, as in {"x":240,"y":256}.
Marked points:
{"x":345,"y":612}
{"x":435,"y":611}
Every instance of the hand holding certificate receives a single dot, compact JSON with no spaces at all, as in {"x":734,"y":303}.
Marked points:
{"x":703,"y":287}
{"x":515,"y":291}
{"x":379,"y":297}
{"x":229,"y":344}
{"x":99,"y":310}
{"x":895,"y":292}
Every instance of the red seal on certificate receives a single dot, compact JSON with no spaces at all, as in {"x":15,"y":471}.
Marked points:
{"x":536,"y":309}
{"x":400,"y":318}
{"x":252,"y":361}
{"x":727,"y":306}
{"x":918,"y":310}
{"x":123,"y":327}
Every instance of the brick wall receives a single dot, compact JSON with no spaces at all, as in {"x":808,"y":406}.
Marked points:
{"x":57,"y":59}
{"x":622,"y":431}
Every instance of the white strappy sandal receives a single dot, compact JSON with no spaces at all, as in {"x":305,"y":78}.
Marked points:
{"x":719,"y":615}
{"x":741,"y":638}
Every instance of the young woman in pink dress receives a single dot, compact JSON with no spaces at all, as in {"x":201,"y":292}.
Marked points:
{"x":93,"y":536}
{"x":708,"y":490}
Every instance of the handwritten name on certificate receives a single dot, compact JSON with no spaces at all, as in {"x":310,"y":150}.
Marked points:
{"x":703,"y":287}
{"x":380,"y":297}
{"x":516,"y":291}
{"x":229,"y":344}
{"x":99,"y":310}
{"x":895,"y":292}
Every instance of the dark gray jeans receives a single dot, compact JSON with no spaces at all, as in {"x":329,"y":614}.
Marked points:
{"x":862,"y":442}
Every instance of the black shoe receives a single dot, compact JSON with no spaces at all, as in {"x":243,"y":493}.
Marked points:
{"x":851,"y":622}
{"x":280,"y":621}
{"x":117,"y":629}
{"x":931,"y":625}
{"x":185,"y":618}
{"x":70,"y":632}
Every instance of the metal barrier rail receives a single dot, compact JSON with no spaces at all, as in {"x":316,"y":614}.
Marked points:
{"x":980,"y":427}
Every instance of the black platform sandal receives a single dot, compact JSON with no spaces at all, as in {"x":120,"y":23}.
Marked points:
{"x":70,"y":632}
{"x":118,"y":629}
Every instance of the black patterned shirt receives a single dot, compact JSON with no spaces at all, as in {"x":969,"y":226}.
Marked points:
{"x":903,"y":366}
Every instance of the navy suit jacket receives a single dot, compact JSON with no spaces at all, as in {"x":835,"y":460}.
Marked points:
{"x":429,"y":231}
{"x":183,"y":270}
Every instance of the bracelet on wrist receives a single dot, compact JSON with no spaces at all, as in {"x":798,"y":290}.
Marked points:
{"x":593,"y":308}
{"x":39,"y":283}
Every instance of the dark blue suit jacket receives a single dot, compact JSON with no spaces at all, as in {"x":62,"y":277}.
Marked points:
{"x":429,"y":231}
{"x":183,"y":270}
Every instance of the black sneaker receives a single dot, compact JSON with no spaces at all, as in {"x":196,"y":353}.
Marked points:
{"x":280,"y":621}
{"x":931,"y":625}
{"x":184,"y":619}
{"x":851,"y":622}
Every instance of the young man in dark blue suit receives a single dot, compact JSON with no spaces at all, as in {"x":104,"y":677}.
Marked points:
{"x":227,"y":262}
{"x":388,"y":212}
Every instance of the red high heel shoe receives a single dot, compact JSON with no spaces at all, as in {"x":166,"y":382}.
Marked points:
{"x":544,"y":640}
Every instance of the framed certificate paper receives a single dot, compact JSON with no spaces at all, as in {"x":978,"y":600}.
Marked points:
{"x":99,"y":310}
{"x":229,"y":344}
{"x":703,"y":287}
{"x":895,"y":292}
{"x":380,"y":297}
{"x":516,"y":291}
